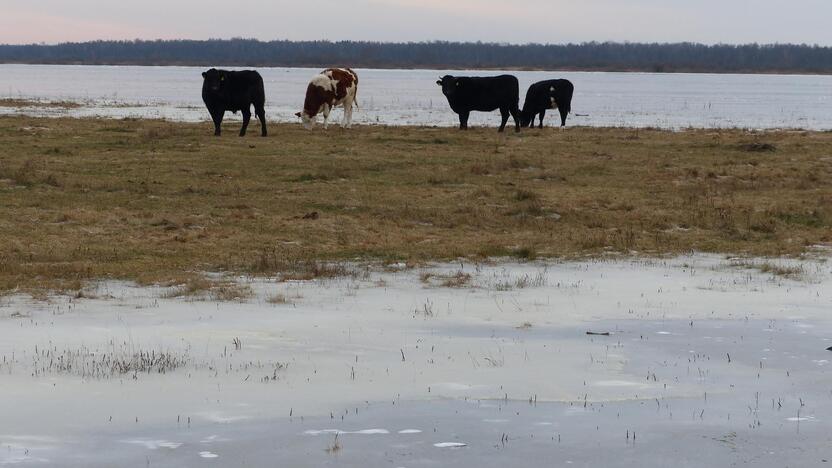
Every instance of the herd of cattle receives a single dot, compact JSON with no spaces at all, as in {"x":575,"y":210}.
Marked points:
{"x":234,"y":91}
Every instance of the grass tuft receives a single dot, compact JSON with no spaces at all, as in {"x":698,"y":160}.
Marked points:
{"x":757,"y":147}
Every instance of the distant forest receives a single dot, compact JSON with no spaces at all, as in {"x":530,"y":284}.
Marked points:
{"x":600,"y":56}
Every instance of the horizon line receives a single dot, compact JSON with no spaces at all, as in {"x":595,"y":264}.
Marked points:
{"x":424,"y":41}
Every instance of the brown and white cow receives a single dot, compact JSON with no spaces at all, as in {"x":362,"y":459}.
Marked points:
{"x":333,"y":87}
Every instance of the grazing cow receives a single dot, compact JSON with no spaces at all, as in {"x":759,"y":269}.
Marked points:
{"x":234,"y":91}
{"x":466,"y":94}
{"x":544,"y":95}
{"x":333,"y":87}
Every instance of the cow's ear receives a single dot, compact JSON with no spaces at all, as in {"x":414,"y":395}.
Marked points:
{"x":297,"y":114}
{"x":204,"y":74}
{"x":439,"y":82}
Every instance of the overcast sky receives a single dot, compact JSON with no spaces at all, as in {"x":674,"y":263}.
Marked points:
{"x":548,"y":21}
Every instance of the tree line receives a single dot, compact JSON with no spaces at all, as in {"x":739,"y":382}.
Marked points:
{"x":592,"y":56}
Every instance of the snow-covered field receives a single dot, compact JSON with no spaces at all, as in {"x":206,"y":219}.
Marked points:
{"x":708,"y":362}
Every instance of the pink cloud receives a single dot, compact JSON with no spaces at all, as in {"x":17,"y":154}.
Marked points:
{"x":22,"y":27}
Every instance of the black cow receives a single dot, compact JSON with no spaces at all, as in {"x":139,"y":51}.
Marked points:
{"x":234,"y":91}
{"x":466,"y":94}
{"x":544,"y":95}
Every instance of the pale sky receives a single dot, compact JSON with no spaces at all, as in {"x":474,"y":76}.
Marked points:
{"x":544,"y":21}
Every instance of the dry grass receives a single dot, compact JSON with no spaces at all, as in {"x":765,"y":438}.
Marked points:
{"x":335,"y":447}
{"x":523,"y":281}
{"x":457,"y":279}
{"x":284,"y":298}
{"x":17,"y":102}
{"x":786,"y":271}
{"x":794,"y":272}
{"x":149,"y":200}
{"x":278,"y":299}
{"x":217,"y":290}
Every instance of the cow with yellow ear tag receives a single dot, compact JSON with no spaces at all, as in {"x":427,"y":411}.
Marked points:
{"x":234,"y":91}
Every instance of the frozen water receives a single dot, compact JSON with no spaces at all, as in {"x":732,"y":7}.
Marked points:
{"x":736,"y":379}
{"x":411,"y":97}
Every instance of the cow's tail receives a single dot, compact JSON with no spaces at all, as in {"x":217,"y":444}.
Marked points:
{"x":355,"y":97}
{"x":570,"y":92}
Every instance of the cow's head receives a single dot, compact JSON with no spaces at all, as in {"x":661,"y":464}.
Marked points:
{"x":526,"y":118}
{"x":307,"y":120}
{"x":450,"y":85}
{"x":213,"y":80}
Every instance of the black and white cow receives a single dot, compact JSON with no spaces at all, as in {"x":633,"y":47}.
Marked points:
{"x":484,"y":94}
{"x":545,"y":95}
{"x":224,"y":90}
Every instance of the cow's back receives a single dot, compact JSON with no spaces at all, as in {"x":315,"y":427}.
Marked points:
{"x":488,"y":93}
{"x":246,"y":87}
{"x":560,"y":87}
{"x":345,"y":82}
{"x":539,"y":93}
{"x":241,"y":89}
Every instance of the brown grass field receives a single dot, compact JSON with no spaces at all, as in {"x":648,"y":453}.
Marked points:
{"x":161,"y":202}
{"x":19,"y":103}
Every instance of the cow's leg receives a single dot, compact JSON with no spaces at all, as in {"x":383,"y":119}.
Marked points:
{"x":216,"y":116}
{"x":515,"y":114}
{"x":347,"y":114}
{"x":563,"y":114}
{"x":504,"y":113}
{"x":327,"y":109}
{"x":542,"y":114}
{"x":260,"y":111}
{"x":463,"y":120}
{"x":246,"y":119}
